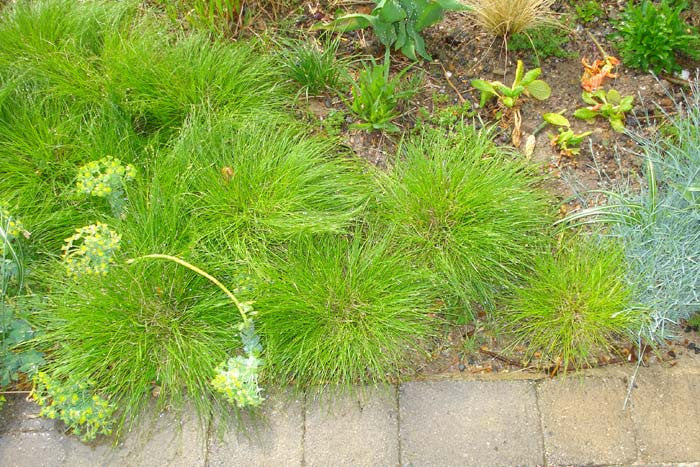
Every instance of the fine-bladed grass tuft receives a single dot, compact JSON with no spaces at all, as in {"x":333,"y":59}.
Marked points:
{"x":265,"y":181}
{"x":468,"y":210}
{"x":574,"y":306}
{"x":343,"y":310}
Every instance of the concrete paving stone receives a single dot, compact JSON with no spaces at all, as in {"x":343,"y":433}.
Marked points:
{"x":354,"y":428}
{"x":583,"y":421}
{"x":175,"y":438}
{"x":20,"y":414}
{"x":475,"y":423}
{"x":273,"y":438}
{"x":666,"y":416}
{"x":32,"y":449}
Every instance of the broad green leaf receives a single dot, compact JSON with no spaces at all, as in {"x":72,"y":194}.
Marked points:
{"x":483,"y":86}
{"x":347,"y":23}
{"x":386,"y":32}
{"x":626,"y":104}
{"x":419,"y":42}
{"x":617,"y":124}
{"x":614,"y":97}
{"x":453,"y":5}
{"x":585,"y":114}
{"x":531,"y":76}
{"x":390,"y":12}
{"x":429,"y":16}
{"x":588,"y":98}
{"x":556,"y":119}
{"x":539,"y":89}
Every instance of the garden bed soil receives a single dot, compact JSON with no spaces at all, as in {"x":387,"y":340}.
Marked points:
{"x":462,"y":52}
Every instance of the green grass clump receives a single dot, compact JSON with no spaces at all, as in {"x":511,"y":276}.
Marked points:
{"x":148,"y":326}
{"x":343,"y":310}
{"x":83,"y":80}
{"x":314,"y":65}
{"x":576,"y":304}
{"x":657,"y":221}
{"x":466,"y":209}
{"x":265,"y":182}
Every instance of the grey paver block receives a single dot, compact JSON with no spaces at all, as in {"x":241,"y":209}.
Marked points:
{"x":358,"y":428}
{"x":458,"y":423}
{"x":666,"y":416}
{"x":32,"y":449}
{"x":274,"y":438}
{"x":175,"y":438}
{"x":584,"y":421}
{"x":20,"y":414}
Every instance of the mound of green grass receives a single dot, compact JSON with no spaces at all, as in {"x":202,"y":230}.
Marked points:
{"x":343,"y":310}
{"x":265,"y":181}
{"x":575,"y":305}
{"x":471,"y":212}
{"x":83,"y":80}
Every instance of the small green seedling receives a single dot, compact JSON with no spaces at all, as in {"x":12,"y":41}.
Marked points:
{"x":524,"y":83}
{"x":566,"y":140}
{"x":610,"y":105}
{"x":375,"y":96}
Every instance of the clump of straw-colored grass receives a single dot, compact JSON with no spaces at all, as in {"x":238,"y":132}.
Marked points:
{"x":507,"y":17}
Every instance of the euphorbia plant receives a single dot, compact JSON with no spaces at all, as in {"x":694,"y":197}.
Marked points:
{"x":610,"y":105}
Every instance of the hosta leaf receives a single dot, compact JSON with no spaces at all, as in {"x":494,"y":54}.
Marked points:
{"x":347,"y":23}
{"x":386,"y":32}
{"x":429,"y":16}
{"x":453,"y":5}
{"x":390,"y":12}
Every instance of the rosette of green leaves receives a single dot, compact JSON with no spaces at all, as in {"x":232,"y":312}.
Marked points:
{"x":610,"y":105}
{"x":523,"y":83}
{"x":566,"y":140}
{"x":398,"y":23}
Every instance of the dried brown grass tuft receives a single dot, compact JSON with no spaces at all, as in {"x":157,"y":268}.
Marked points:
{"x":507,"y":17}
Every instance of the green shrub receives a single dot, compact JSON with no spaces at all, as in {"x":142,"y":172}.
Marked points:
{"x":468,"y":210}
{"x":343,"y":310}
{"x":653,"y":34}
{"x":576,"y":304}
{"x":375,"y":97}
{"x":314,"y":65}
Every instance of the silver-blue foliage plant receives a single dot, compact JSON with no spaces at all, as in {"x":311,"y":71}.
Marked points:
{"x":659,"y":223}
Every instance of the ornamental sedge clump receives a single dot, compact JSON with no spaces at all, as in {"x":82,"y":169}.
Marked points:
{"x":105,"y":179}
{"x":86,"y":414}
{"x":90,"y":250}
